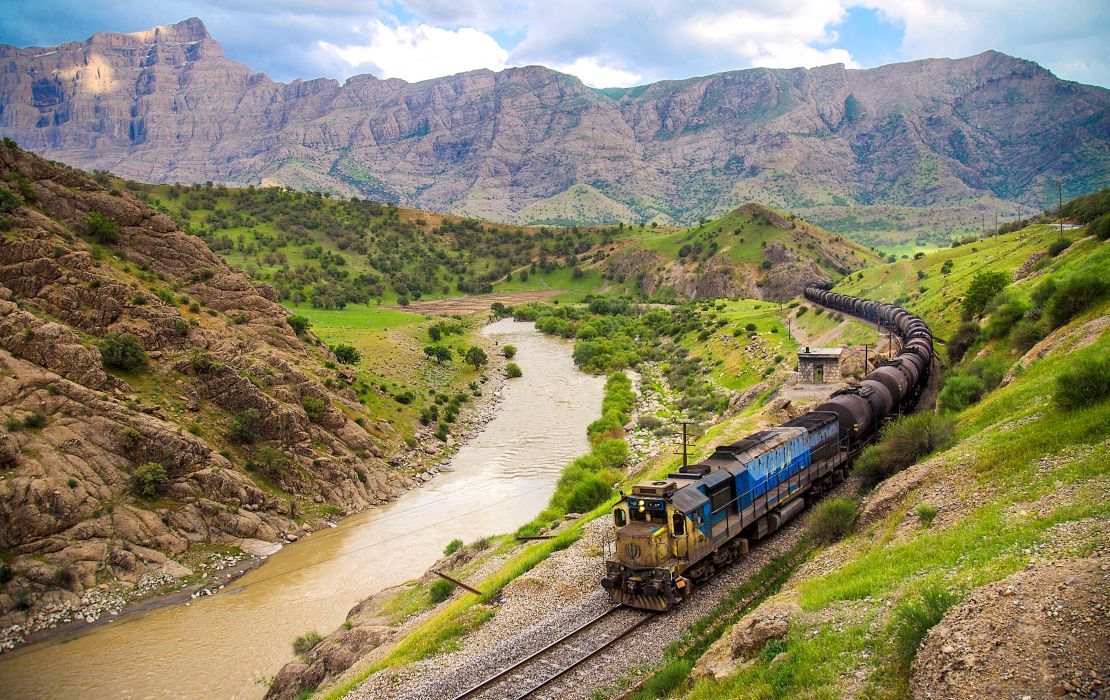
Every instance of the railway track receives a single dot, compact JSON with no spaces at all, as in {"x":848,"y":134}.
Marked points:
{"x":530,"y":676}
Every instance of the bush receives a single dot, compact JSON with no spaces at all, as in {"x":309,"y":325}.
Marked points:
{"x":452,"y":547}
{"x":589,"y":493}
{"x":129,"y":439}
{"x":306,"y":643}
{"x":244,"y":426}
{"x":984,"y":286}
{"x":347,"y":354}
{"x":509,"y":351}
{"x":611,"y":453}
{"x":512,"y":370}
{"x":269,"y":461}
{"x":750,"y":327}
{"x":34,"y":420}
{"x":102,"y":228}
{"x":148,"y":479}
{"x":9,"y":201}
{"x":926,"y":512}
{"x":298,"y":323}
{"x":914,"y":619}
{"x":1058,"y":246}
{"x":1085,"y":384}
{"x":1005,"y":317}
{"x":960,"y":391}
{"x":964,"y":337}
{"x":122,"y":351}
{"x":1075,"y":295}
{"x":440,"y":590}
{"x":833,"y":519}
{"x":1026,"y":334}
{"x":314,"y":408}
{"x":1100,"y":227}
{"x":903,"y":443}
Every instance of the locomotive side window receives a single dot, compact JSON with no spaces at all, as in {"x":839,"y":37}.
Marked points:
{"x":619,"y":517}
{"x":678,"y":524}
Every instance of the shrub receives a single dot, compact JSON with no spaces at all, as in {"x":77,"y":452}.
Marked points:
{"x":611,"y":453}
{"x":298,"y":323}
{"x":148,"y":479}
{"x":180,"y":327}
{"x":912,"y":621}
{"x":102,"y":228}
{"x":984,"y":286}
{"x":306,"y":643}
{"x":314,"y":408}
{"x":452,"y":547}
{"x":801,"y":311}
{"x":1058,"y":246}
{"x":270,"y":461}
{"x":1085,"y":384}
{"x":129,"y":438}
{"x":509,"y":351}
{"x":404,"y":397}
{"x":960,"y":391}
{"x":1100,"y":227}
{"x":926,"y":512}
{"x":34,"y":420}
{"x":347,"y":354}
{"x":1005,"y":317}
{"x":589,"y":493}
{"x":512,"y":370}
{"x":833,"y":519}
{"x":1026,"y":334}
{"x":122,"y":351}
{"x":904,"y":442}
{"x":961,"y":340}
{"x":9,"y":201}
{"x":244,"y":426}
{"x":440,"y":590}
{"x":1075,"y":295}
{"x":750,"y":327}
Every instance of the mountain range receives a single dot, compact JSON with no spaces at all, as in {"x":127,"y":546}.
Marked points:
{"x":924,"y":146}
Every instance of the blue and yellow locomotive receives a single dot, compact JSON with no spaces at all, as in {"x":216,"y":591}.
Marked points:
{"x":673,"y":533}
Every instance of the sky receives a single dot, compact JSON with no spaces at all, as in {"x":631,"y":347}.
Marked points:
{"x":609,"y":43}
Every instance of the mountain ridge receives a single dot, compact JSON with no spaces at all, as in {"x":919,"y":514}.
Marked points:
{"x":989,"y":133}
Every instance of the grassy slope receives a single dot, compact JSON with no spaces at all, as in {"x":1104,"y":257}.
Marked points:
{"x":1020,"y":469}
{"x":939,"y":302}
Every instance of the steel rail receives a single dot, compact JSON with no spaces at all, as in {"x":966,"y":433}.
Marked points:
{"x":509,"y":669}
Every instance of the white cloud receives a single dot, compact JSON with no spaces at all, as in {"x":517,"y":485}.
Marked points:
{"x":596,"y":74}
{"x":783,"y":35}
{"x":420,"y":51}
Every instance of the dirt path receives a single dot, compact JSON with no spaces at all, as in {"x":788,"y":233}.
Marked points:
{"x":474,"y":304}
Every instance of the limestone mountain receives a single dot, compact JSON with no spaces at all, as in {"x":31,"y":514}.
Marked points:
{"x":989,"y":133}
{"x":154,"y":398}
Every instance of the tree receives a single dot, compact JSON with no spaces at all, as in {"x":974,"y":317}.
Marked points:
{"x":438,"y":353}
{"x":298,"y":323}
{"x":476,"y":356}
{"x":403,"y":301}
{"x":435,"y":333}
{"x":984,"y":286}
{"x":148,"y":479}
{"x":122,"y":351}
{"x":347,"y":354}
{"x":102,"y":228}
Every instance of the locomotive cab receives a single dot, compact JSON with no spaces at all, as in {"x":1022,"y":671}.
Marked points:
{"x":652,"y":540}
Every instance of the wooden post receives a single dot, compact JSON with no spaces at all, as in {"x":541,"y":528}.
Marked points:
{"x":457,"y":582}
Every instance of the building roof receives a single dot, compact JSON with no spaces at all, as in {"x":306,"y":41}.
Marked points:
{"x":820,"y":353}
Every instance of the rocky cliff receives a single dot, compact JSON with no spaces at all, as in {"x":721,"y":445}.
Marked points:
{"x":233,"y":429}
{"x":531,"y":144}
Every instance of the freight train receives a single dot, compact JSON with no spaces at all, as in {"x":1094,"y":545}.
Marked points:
{"x":678,"y":531}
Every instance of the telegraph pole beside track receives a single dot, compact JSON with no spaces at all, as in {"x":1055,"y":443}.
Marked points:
{"x":684,"y":441}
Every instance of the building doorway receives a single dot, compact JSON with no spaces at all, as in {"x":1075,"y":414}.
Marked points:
{"x":819,"y":373}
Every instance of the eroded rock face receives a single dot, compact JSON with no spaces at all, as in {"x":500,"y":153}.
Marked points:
{"x":166,"y":105}
{"x":1039,"y":633}
{"x":77,"y":431}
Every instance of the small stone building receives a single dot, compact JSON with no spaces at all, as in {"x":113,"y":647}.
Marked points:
{"x":820,"y":365}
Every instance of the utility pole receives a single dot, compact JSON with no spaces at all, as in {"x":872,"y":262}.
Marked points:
{"x":684,"y":441}
{"x":866,"y":346}
{"x":1060,"y":202}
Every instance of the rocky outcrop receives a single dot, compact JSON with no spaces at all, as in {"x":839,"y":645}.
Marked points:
{"x":166,"y":105}
{"x":1038,"y":633}
{"x":746,"y":639}
{"x":219,"y":353}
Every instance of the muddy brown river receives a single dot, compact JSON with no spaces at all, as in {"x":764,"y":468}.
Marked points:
{"x":218,"y":646}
